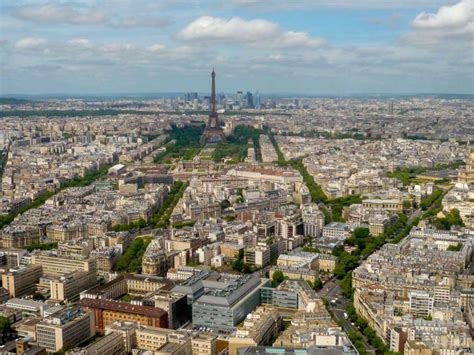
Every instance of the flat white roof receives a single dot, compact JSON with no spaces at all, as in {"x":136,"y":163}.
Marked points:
{"x":381,"y":201}
{"x":117,"y":167}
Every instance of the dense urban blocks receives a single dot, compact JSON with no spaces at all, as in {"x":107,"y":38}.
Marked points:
{"x":236,"y":223}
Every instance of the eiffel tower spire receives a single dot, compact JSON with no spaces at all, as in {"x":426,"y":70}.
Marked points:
{"x":213,"y":92}
{"x":213,"y":132}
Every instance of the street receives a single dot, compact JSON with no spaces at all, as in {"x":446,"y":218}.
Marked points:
{"x":331,"y":291}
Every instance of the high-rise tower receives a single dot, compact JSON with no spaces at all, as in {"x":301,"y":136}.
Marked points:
{"x":213,"y":132}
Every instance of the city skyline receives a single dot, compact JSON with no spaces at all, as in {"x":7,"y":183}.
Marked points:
{"x":323,"y":48}
{"x":236,"y":223}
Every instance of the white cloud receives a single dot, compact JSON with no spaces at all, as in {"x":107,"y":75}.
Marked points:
{"x":82,"y":51}
{"x":449,"y":26}
{"x":245,"y":3}
{"x":235,"y":29}
{"x":156,"y":48}
{"x":297,"y":39}
{"x":52,"y":13}
{"x":448,"y":17}
{"x":276,"y":57}
{"x":141,"y":22}
{"x":252,"y":32}
{"x":272,"y":5}
{"x":31,"y":42}
{"x":437,"y":40}
{"x":115,"y":48}
{"x":80,"y":42}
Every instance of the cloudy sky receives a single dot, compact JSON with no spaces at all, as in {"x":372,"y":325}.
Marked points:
{"x":274,"y":46}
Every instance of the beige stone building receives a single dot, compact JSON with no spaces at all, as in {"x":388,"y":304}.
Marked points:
{"x":70,"y":286}
{"x":326,"y":262}
{"x":22,"y":280}
{"x":259,"y":328}
{"x":57,"y":266}
{"x":204,"y":344}
{"x":230,"y":250}
{"x":296,"y":273}
{"x":128,"y":332}
{"x":19,"y":237}
{"x":150,"y":338}
{"x":163,"y":341}
{"x":387,"y":205}
{"x":112,"y":343}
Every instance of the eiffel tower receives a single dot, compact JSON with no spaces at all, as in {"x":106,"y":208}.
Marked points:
{"x":213,"y":132}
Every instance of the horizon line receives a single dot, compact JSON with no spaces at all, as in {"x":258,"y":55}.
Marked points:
{"x":168,"y":93}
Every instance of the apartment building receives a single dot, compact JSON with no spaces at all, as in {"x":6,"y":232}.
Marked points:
{"x":258,"y":328}
{"x":336,"y":230}
{"x":70,"y":286}
{"x":56,"y":265}
{"x":21,"y":281}
{"x":258,"y":256}
{"x":112,"y":343}
{"x":204,"y":344}
{"x":107,"y":312}
{"x":301,"y":273}
{"x":313,"y":220}
{"x":421,"y":303}
{"x":152,"y":338}
{"x":68,"y":327}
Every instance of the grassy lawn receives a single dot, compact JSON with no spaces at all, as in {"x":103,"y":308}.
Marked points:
{"x":236,"y":146}
{"x":233,"y":151}
{"x":409,"y":175}
{"x":186,"y":145}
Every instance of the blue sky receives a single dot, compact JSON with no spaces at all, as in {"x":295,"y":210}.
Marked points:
{"x":275,"y":46}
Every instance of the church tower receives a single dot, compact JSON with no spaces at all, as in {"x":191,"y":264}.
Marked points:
{"x":466,"y":175}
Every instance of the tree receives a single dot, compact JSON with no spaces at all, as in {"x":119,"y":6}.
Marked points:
{"x":248,"y":269}
{"x":359,"y":238}
{"x":37,"y":296}
{"x":4,"y":325}
{"x":311,"y":249}
{"x":278,"y":278}
{"x":360,"y":347}
{"x":431,"y":199}
{"x":453,"y":218}
{"x":132,"y":259}
{"x":457,"y":247}
{"x":361,"y":233}
{"x":346,"y":285}
{"x":318,"y":284}
{"x":361,"y":323}
{"x":351,"y":312}
{"x":4,"y":329}
{"x":338,"y":250}
{"x":346,"y":263}
{"x":224,"y":204}
{"x":238,"y":263}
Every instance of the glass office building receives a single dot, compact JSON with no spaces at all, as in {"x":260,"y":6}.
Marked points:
{"x":224,"y":308}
